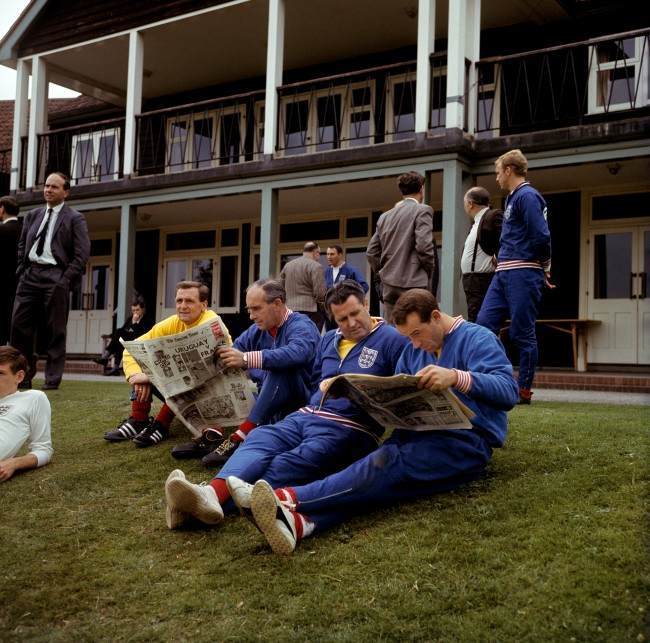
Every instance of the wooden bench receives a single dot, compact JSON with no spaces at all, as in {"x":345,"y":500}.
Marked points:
{"x":577,"y":328}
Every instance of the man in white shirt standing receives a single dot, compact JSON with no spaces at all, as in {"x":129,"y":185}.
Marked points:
{"x":25,"y":418}
{"x":478,"y":261}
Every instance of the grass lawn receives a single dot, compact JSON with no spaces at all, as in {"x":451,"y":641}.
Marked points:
{"x":551,"y":546}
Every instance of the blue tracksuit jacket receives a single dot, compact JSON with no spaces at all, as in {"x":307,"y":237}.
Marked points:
{"x":284,"y":381}
{"x":346,"y":271}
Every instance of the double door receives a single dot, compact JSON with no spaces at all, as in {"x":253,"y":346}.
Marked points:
{"x":91,"y":308}
{"x":618,"y":295}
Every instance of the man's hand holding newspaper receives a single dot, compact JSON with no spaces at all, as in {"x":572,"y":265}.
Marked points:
{"x":201,"y":389}
{"x":419,"y":402}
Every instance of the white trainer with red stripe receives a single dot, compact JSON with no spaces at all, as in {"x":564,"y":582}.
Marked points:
{"x":275,"y":521}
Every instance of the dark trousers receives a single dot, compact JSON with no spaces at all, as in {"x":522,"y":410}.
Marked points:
{"x":475,"y":285}
{"x":316,"y":316}
{"x":390,"y":295}
{"x":42,"y":296}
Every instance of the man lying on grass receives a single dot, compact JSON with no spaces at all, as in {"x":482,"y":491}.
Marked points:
{"x":445,"y":352}
{"x":314,"y":441}
{"x":24,"y":417}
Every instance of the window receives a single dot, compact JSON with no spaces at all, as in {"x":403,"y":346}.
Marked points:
{"x":328,"y":119}
{"x":400,"y":107}
{"x":95,"y":156}
{"x":618,"y":75}
{"x":205,"y":140}
{"x":438,"y":118}
{"x":487,"y":114}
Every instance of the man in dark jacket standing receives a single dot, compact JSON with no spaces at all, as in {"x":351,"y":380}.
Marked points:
{"x":402,"y":250}
{"x":9,"y":235}
{"x":52,"y":253}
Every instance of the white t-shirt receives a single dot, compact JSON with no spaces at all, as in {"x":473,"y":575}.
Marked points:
{"x":25,"y":416}
{"x":483,"y":262}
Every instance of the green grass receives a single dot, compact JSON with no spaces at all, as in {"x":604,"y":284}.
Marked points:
{"x":551,"y":546}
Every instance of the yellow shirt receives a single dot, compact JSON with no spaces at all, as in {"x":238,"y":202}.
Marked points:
{"x":346,"y":345}
{"x":170,"y":326}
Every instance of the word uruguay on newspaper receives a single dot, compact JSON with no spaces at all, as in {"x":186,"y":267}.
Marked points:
{"x":195,"y":383}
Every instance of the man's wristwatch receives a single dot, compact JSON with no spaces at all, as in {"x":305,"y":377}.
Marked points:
{"x":245,"y":358}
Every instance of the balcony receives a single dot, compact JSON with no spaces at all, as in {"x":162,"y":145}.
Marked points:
{"x":578,"y":84}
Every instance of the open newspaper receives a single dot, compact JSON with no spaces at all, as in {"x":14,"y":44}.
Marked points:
{"x":396,"y":402}
{"x":196,"y":385}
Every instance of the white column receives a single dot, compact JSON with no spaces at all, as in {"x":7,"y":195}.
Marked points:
{"x":269,"y":231}
{"x":473,"y":53}
{"x":37,"y":118}
{"x":133,"y":99}
{"x":456,"y":35}
{"x":455,"y":226}
{"x":274,"y":65}
{"x":21,"y":106}
{"x":426,"y":41}
{"x":127,"y":263}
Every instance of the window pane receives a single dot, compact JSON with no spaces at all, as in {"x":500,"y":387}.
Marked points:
{"x":256,"y":267}
{"x":99,"y":247}
{"x":230,"y":142}
{"x":360,"y":128}
{"x":328,"y":109}
{"x":228,"y":282}
{"x":291,"y":232}
{"x":106,"y":156}
{"x":83,"y":169}
{"x":361,"y":96}
{"x":616,"y":86}
{"x":191,"y":240}
{"x":202,"y":272}
{"x":615,"y":50}
{"x":295,"y":127}
{"x":621,"y":206}
{"x":356,"y":227}
{"x":178,"y":144}
{"x":612,"y":265}
{"x":203,"y":133}
{"x":175,"y":271}
{"x":438,"y":101}
{"x":229,"y":237}
{"x":403,"y":110}
{"x":100,"y":287}
{"x":356,"y":257}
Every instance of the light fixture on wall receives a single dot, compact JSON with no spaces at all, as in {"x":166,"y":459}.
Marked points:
{"x":144,"y":217}
{"x":411,"y":12}
{"x":614,"y":168}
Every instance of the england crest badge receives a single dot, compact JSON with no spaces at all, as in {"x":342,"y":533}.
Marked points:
{"x":367,"y":357}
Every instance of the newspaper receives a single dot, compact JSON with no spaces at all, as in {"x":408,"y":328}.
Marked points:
{"x":396,"y":402}
{"x":195,"y":383}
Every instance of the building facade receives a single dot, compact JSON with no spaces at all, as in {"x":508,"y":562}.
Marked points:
{"x":232,"y":132}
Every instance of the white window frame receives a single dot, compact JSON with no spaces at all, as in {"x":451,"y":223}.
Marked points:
{"x":214,"y":253}
{"x":348,"y":132}
{"x":390,"y":92}
{"x":640,"y":64}
{"x":258,"y":141}
{"x":215,"y":144}
{"x":96,"y":138}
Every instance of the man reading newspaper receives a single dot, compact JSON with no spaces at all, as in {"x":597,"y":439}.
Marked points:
{"x":191,"y":310}
{"x":316,"y":440}
{"x":445,"y":352}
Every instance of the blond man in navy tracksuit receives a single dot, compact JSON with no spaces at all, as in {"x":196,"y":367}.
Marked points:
{"x":523,"y":266}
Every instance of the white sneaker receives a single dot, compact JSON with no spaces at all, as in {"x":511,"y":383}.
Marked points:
{"x":195,"y":500}
{"x":275,"y":521}
{"x":173,"y":517}
{"x":240,"y":493}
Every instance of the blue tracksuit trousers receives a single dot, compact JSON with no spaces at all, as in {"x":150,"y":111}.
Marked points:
{"x":300,"y":448}
{"x":281,"y":392}
{"x":408,"y":465}
{"x":516,"y":294}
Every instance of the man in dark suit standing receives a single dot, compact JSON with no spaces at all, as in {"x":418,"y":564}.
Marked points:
{"x":52,"y":253}
{"x":9,"y":235}
{"x":402,"y":250}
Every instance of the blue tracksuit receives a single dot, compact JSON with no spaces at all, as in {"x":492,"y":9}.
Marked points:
{"x":416,"y":463}
{"x":346,"y":271}
{"x":316,"y":441}
{"x":516,"y":289}
{"x":286,"y":361}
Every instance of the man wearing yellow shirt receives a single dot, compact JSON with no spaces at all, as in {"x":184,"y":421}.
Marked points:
{"x":191,"y":310}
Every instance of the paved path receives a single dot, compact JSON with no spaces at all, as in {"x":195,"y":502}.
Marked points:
{"x":540,"y":394}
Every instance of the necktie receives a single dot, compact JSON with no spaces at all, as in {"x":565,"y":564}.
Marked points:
{"x":43,"y":233}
